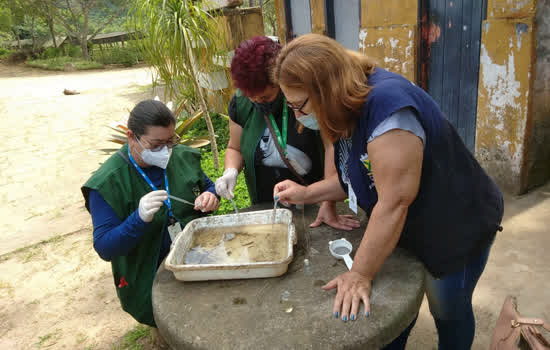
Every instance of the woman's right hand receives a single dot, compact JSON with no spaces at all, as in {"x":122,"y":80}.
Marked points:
{"x":150,"y":203}
{"x":289,"y":192}
{"x":226,"y":184}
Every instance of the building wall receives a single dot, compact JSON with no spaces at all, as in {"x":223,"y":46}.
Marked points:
{"x":506,"y":115}
{"x":538,"y":156}
{"x":513,"y":110}
{"x":388,"y":31}
{"x":388,"y":34}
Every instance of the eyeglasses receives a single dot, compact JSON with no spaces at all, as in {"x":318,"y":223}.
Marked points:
{"x":298,"y":109}
{"x":157,"y":145}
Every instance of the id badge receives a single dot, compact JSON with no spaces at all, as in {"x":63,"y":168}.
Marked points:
{"x":352,"y":199}
{"x":173,"y":230}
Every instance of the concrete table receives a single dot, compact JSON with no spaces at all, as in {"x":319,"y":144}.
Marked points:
{"x":247,"y":314}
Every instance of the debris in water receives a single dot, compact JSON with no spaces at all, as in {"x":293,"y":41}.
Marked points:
{"x":239,"y":301}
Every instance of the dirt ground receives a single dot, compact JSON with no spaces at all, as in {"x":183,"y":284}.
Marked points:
{"x":58,"y":294}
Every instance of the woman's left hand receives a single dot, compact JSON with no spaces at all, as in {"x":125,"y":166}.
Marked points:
{"x":352,"y":289}
{"x":289,"y":191}
{"x":207,"y":202}
{"x":327,"y":214}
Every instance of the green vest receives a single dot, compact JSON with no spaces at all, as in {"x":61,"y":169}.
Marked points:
{"x":122,"y":187}
{"x":253,"y":124}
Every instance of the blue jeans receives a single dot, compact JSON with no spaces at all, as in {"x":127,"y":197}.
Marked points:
{"x":450,"y":300}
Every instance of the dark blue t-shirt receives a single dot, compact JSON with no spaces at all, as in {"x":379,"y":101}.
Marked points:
{"x":458,"y":208}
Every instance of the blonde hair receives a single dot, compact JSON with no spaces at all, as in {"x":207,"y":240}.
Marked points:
{"x":334,"y":78}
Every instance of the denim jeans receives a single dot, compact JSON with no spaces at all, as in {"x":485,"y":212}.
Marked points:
{"x":450,"y":301}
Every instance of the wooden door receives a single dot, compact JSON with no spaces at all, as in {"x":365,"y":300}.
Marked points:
{"x":448,"y":61}
{"x":298,"y":14}
{"x":343,"y":20}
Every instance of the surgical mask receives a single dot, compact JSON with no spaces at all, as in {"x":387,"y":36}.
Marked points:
{"x":267,"y":108}
{"x":158,"y":158}
{"x":309,"y":121}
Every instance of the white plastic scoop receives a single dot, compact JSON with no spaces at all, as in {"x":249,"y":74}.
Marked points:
{"x":340,"y":249}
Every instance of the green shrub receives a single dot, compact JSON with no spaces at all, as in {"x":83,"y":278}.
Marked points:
{"x":72,"y":50}
{"x":221,"y":126}
{"x":242,"y":200}
{"x":58,"y":63}
{"x":51,"y":52}
{"x":4,"y":53}
{"x":127,"y":56}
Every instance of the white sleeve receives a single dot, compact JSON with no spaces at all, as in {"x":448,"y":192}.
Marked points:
{"x":403,"y":119}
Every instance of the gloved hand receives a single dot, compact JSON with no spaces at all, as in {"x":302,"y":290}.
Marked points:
{"x":150,"y":204}
{"x":207,"y":202}
{"x":226,"y":184}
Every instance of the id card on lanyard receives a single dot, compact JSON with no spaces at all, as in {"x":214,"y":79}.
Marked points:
{"x":175,"y":227}
{"x":351,"y":194}
{"x":343,"y":158}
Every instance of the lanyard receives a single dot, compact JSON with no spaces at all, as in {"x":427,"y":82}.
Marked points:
{"x":281,"y":139}
{"x":146,"y":178}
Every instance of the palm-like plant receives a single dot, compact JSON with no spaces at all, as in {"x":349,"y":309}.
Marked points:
{"x":182,"y":127}
{"x":182,"y":38}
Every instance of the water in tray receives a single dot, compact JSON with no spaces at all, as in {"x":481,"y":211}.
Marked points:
{"x":238,"y":244}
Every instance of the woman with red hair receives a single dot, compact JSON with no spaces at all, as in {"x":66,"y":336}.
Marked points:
{"x":266,"y":139}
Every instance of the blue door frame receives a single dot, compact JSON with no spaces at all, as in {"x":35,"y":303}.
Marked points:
{"x":448,"y":59}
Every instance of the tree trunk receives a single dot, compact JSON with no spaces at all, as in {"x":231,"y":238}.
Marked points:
{"x":209,"y":126}
{"x":49,"y":21}
{"x":273,"y":23}
{"x":204,"y":107}
{"x":33,"y":36}
{"x":84,"y":46}
{"x":84,"y":36}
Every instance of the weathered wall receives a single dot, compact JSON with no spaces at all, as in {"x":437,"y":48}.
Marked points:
{"x":538,"y":155}
{"x":281,"y":20}
{"x":506,"y":88}
{"x":238,"y":24}
{"x":388,"y":34}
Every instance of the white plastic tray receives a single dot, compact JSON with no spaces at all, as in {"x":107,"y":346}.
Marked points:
{"x":204,"y":272}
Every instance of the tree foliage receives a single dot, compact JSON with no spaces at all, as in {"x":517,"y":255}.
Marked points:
{"x":182,"y":40}
{"x":74,"y":16}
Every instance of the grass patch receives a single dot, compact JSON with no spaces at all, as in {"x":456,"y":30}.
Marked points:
{"x":48,"y":339}
{"x":7,"y":288}
{"x":132,"y":339}
{"x":35,"y":253}
{"x":81,"y":338}
{"x":28,"y":249}
{"x":127,"y":56}
{"x":242,"y":200}
{"x":5,"y":53}
{"x":58,"y":63}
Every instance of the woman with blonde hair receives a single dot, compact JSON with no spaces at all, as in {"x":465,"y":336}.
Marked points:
{"x":403,"y":163}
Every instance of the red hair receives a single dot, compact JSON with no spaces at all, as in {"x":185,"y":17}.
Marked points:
{"x":252,"y":64}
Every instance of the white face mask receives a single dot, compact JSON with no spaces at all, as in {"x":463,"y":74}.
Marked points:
{"x":159,"y":158}
{"x":309,"y":121}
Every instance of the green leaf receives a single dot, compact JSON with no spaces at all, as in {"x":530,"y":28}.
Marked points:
{"x":195,"y":142}
{"x":186,"y":124}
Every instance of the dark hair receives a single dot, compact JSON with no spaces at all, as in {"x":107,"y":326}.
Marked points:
{"x":251,"y":66}
{"x":149,"y":113}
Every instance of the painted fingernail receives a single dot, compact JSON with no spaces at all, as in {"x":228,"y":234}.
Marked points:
{"x":352,"y":317}
{"x":345,"y":318}
{"x":276,"y":198}
{"x":367,"y":314}
{"x":336,"y":314}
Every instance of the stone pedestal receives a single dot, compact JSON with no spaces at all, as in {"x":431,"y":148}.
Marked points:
{"x":248,"y":314}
